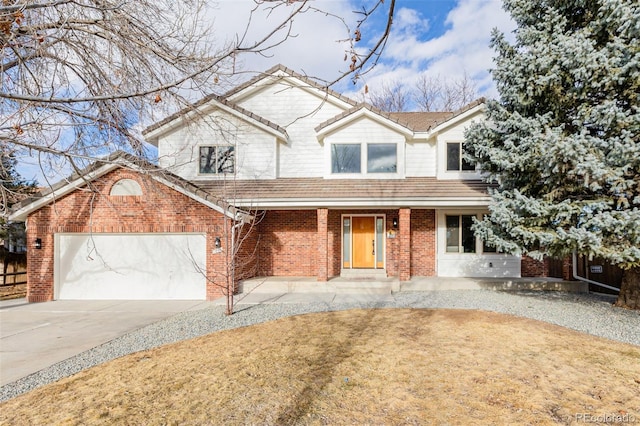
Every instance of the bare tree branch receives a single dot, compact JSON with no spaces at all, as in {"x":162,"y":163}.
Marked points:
{"x":81,"y":77}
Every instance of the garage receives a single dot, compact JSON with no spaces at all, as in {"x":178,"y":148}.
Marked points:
{"x":159,"y":266}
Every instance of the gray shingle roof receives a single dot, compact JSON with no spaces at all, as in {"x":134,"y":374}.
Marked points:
{"x":423,"y":188}
{"x":415,"y":121}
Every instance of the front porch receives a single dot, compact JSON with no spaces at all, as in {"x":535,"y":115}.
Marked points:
{"x":387,"y":285}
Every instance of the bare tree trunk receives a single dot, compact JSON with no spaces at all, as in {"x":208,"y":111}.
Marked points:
{"x":629,"y":296}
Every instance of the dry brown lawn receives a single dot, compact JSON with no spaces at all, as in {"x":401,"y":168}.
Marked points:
{"x":384,"y":366}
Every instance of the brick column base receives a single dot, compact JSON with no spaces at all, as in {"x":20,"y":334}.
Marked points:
{"x":323,"y":271}
{"x":404,"y":234}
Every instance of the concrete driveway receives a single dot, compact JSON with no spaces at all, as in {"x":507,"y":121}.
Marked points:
{"x":34,"y":336}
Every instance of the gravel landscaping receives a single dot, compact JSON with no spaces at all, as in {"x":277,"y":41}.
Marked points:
{"x":588,"y":313}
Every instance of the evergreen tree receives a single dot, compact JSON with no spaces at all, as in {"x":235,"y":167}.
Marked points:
{"x":13,"y":188}
{"x":562,"y":144}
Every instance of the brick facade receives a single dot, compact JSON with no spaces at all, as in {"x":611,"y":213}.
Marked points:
{"x":404,"y":238}
{"x":537,"y":268}
{"x":322,"y":242}
{"x":288,"y":243}
{"x":532,"y":268}
{"x":280,"y":243}
{"x":159,"y":210}
{"x":423,"y":243}
{"x":294,"y":242}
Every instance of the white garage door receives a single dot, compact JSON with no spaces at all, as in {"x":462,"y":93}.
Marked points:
{"x":130,"y":266}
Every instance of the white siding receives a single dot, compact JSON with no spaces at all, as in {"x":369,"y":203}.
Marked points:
{"x":255,"y":149}
{"x":364,"y":131}
{"x":478,"y":265}
{"x":420,"y":159}
{"x":452,"y":134}
{"x":298,"y":108}
{"x":299,"y":111}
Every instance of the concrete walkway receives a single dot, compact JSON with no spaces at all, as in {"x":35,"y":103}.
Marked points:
{"x":34,"y":336}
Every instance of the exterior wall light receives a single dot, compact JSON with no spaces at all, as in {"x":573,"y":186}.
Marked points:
{"x":395,"y":223}
{"x":218,"y":243}
{"x":38,"y":243}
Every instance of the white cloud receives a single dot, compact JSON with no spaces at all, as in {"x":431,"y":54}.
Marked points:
{"x":462,"y":48}
{"x":316,"y":45}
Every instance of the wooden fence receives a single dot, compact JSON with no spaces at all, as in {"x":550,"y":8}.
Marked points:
{"x":595,"y":270}
{"x":13,"y":278}
{"x":14,"y":272}
{"x":600,"y":271}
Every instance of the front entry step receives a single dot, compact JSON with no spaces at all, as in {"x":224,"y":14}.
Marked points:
{"x":364,"y":286}
{"x":364,"y":274}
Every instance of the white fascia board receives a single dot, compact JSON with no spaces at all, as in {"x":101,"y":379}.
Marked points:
{"x":455,"y":120}
{"x":307,"y":203}
{"x":180,"y":121}
{"x":324,"y":96}
{"x":364,"y":112}
{"x":153,"y":136}
{"x":268,"y":129}
{"x":423,"y":137}
{"x":21,"y":214}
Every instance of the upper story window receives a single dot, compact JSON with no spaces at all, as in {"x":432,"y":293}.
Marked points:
{"x":345,"y":158}
{"x":217,"y":159}
{"x":382,"y":158}
{"x":379,"y":158}
{"x":455,"y":160}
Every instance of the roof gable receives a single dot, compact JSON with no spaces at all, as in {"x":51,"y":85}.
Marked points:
{"x":404,"y":122}
{"x":106,"y":165}
{"x":204,"y":106}
{"x":357,"y":112}
{"x":453,"y":118}
{"x":282,"y":74}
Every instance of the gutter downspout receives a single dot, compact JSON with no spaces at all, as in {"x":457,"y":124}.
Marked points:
{"x":579,"y":278}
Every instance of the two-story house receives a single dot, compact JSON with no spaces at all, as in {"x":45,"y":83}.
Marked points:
{"x":330,"y":186}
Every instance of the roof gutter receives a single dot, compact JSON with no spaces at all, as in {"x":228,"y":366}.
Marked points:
{"x":350,"y":203}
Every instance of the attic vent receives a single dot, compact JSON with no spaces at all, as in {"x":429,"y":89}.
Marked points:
{"x":126,"y":187}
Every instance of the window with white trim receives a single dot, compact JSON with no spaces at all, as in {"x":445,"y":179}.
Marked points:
{"x":382,"y":158}
{"x":378,"y":158}
{"x":217,"y":159}
{"x":460,"y":238}
{"x":345,"y":158}
{"x":455,"y":159}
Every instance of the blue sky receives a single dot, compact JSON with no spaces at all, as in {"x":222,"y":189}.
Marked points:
{"x":443,"y":38}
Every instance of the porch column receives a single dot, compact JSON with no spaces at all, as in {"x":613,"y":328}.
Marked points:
{"x":404,"y":236}
{"x":322,"y":241}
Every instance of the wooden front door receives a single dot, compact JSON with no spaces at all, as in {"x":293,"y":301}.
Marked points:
{"x":364,"y":236}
